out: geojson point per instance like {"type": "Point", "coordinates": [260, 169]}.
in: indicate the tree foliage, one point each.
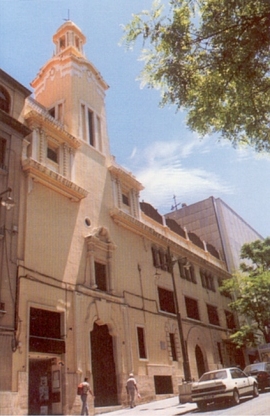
{"type": "Point", "coordinates": [210, 57]}
{"type": "Point", "coordinates": [251, 289]}
{"type": "Point", "coordinates": [258, 255]}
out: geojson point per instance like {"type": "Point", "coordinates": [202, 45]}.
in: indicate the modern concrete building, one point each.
{"type": "Point", "coordinates": [215, 222]}
{"type": "Point", "coordinates": [105, 285]}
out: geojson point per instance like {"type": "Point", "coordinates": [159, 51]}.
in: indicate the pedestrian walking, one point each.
{"type": "Point", "coordinates": [85, 389]}
{"type": "Point", "coordinates": [131, 387]}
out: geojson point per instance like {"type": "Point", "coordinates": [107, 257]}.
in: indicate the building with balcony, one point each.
{"type": "Point", "coordinates": [105, 284]}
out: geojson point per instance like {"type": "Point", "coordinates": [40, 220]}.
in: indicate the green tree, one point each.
{"type": "Point", "coordinates": [251, 290]}
{"type": "Point", "coordinates": [210, 57]}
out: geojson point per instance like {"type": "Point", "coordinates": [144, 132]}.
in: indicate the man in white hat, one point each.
{"type": "Point", "coordinates": [131, 388]}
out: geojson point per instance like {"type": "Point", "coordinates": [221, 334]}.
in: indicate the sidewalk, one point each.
{"type": "Point", "coordinates": [166, 407]}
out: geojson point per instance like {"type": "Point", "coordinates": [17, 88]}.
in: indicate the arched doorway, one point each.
{"type": "Point", "coordinates": [103, 367]}
{"type": "Point", "coordinates": [199, 361]}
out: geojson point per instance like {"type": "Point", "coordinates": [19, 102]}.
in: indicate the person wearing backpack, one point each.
{"type": "Point", "coordinates": [85, 389]}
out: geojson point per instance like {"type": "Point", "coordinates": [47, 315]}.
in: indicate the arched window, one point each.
{"type": "Point", "coordinates": [4, 100]}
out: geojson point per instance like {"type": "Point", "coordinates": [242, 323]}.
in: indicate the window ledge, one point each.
{"type": "Point", "coordinates": [53, 180]}
{"type": "Point", "coordinates": [167, 313]}
{"type": "Point", "coordinates": [99, 295]}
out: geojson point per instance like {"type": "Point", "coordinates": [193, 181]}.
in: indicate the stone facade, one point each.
{"type": "Point", "coordinates": [12, 133]}
{"type": "Point", "coordinates": [104, 285]}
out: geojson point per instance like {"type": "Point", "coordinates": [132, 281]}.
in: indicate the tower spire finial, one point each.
{"type": "Point", "coordinates": [68, 17]}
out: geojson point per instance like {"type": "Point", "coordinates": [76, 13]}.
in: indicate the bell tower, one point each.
{"type": "Point", "coordinates": [69, 37]}
{"type": "Point", "coordinates": [72, 89]}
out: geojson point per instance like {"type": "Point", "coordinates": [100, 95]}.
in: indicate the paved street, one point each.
{"type": "Point", "coordinates": [249, 406]}
{"type": "Point", "coordinates": [166, 407]}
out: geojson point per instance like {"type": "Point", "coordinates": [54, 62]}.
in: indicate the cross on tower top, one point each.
{"type": "Point", "coordinates": [174, 207]}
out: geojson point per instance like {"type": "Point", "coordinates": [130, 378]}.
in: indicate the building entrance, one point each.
{"type": "Point", "coordinates": [103, 367]}
{"type": "Point", "coordinates": [199, 361]}
{"type": "Point", "coordinates": [44, 393]}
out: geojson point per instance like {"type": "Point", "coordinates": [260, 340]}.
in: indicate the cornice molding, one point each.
{"type": "Point", "coordinates": [37, 116]}
{"type": "Point", "coordinates": [164, 236]}
{"type": "Point", "coordinates": [53, 180]}
{"type": "Point", "coordinates": [14, 124]}
{"type": "Point", "coordinates": [126, 177]}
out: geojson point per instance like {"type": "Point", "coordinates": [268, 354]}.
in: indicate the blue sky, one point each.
{"type": "Point", "coordinates": [153, 143]}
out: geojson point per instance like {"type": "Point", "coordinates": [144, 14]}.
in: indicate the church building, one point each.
{"type": "Point", "coordinates": [105, 285]}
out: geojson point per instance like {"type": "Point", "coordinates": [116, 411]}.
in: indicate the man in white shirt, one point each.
{"type": "Point", "coordinates": [131, 387]}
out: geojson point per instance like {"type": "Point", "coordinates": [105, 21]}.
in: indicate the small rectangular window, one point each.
{"type": "Point", "coordinates": [41, 323]}
{"type": "Point", "coordinates": [192, 308]}
{"type": "Point", "coordinates": [57, 112]}
{"type": "Point", "coordinates": [141, 342]}
{"type": "Point", "coordinates": [213, 315]}
{"type": "Point", "coordinates": [3, 144]}
{"type": "Point", "coordinates": [207, 280]}
{"type": "Point", "coordinates": [101, 280]}
{"type": "Point", "coordinates": [160, 258]}
{"type": "Point", "coordinates": [166, 300]}
{"type": "Point", "coordinates": [173, 347]}
{"type": "Point", "coordinates": [186, 270]}
{"type": "Point", "coordinates": [98, 132]}
{"type": "Point", "coordinates": [163, 384]}
{"type": "Point", "coordinates": [83, 122]}
{"type": "Point", "coordinates": [45, 333]}
{"type": "Point", "coordinates": [155, 257]}
{"type": "Point", "coordinates": [52, 154]}
{"type": "Point", "coordinates": [60, 112]}
{"type": "Point", "coordinates": [125, 199]}
{"type": "Point", "coordinates": [230, 320]}
{"type": "Point", "coordinates": [62, 42]}
{"type": "Point", "coordinates": [52, 112]}
{"type": "Point", "coordinates": [91, 127]}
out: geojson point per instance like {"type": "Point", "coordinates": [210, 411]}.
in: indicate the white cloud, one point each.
{"type": "Point", "coordinates": [165, 169]}
{"type": "Point", "coordinates": [134, 151]}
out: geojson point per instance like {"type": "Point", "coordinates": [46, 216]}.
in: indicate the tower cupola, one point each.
{"type": "Point", "coordinates": [69, 38]}
{"type": "Point", "coordinates": [73, 90]}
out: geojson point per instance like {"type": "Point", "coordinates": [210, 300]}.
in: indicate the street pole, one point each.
{"type": "Point", "coordinates": [186, 368]}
